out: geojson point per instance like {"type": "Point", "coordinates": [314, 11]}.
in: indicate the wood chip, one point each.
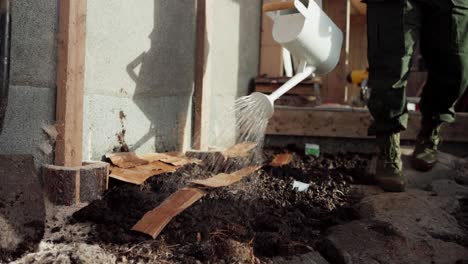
{"type": "Point", "coordinates": [239, 150]}
{"type": "Point", "coordinates": [172, 158]}
{"type": "Point", "coordinates": [138, 175]}
{"type": "Point", "coordinates": [223, 179]}
{"type": "Point", "coordinates": [126, 160]}
{"type": "Point", "coordinates": [281, 160]}
{"type": "Point", "coordinates": [136, 169]}
{"type": "Point", "coordinates": [154, 221]}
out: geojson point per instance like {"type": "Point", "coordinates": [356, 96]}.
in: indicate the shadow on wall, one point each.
{"type": "Point", "coordinates": [164, 80]}
{"type": "Point", "coordinates": [249, 39]}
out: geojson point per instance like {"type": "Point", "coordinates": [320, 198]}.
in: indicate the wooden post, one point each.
{"type": "Point", "coordinates": [357, 50]}
{"type": "Point", "coordinates": [335, 81]}
{"type": "Point", "coordinates": [70, 82]}
{"type": "Point", "coordinates": [200, 62]}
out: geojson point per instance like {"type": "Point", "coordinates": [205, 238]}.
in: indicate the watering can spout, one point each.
{"type": "Point", "coordinates": [266, 102]}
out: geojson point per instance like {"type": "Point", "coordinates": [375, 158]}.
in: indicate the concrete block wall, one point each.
{"type": "Point", "coordinates": [233, 46]}
{"type": "Point", "coordinates": [139, 61]}
{"type": "Point", "coordinates": [32, 85]}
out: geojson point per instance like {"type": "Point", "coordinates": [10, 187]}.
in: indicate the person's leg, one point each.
{"type": "Point", "coordinates": [444, 45]}
{"type": "Point", "coordinates": [393, 29]}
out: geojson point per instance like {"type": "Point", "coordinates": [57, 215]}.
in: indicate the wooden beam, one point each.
{"type": "Point", "coordinates": [300, 89]}
{"type": "Point", "coordinates": [70, 82]}
{"type": "Point", "coordinates": [269, 85]}
{"type": "Point", "coordinates": [335, 81]}
{"type": "Point", "coordinates": [349, 123]}
{"type": "Point", "coordinates": [200, 62]}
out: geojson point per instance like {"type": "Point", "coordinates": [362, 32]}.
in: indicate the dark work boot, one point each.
{"type": "Point", "coordinates": [389, 175]}
{"type": "Point", "coordinates": [425, 152]}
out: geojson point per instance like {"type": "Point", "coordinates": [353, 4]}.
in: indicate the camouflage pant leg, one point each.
{"type": "Point", "coordinates": [444, 46]}
{"type": "Point", "coordinates": [393, 30]}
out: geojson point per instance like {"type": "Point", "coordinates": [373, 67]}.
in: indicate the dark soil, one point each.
{"type": "Point", "coordinates": [251, 221]}
{"type": "Point", "coordinates": [22, 210]}
{"type": "Point", "coordinates": [462, 217]}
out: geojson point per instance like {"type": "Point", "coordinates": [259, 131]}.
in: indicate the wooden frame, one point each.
{"type": "Point", "coordinates": [269, 85]}
{"type": "Point", "coordinates": [199, 91]}
{"type": "Point", "coordinates": [70, 82]}
{"type": "Point", "coordinates": [348, 123]}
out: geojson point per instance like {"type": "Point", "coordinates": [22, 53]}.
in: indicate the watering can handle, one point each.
{"type": "Point", "coordinates": [270, 7]}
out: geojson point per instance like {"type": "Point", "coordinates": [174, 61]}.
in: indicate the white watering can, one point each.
{"type": "Point", "coordinates": [308, 33]}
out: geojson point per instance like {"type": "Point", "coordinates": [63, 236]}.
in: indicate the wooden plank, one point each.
{"type": "Point", "coordinates": [138, 175]}
{"type": "Point", "coordinates": [349, 123]}
{"type": "Point", "coordinates": [70, 82]}
{"type": "Point", "coordinates": [335, 82]}
{"type": "Point", "coordinates": [301, 89]}
{"type": "Point", "coordinates": [282, 80]}
{"type": "Point", "coordinates": [269, 85]}
{"type": "Point", "coordinates": [224, 180]}
{"type": "Point", "coordinates": [271, 61]}
{"type": "Point", "coordinates": [154, 221]}
{"type": "Point", "coordinates": [200, 63]}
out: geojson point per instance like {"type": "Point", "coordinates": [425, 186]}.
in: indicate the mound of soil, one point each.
{"type": "Point", "coordinates": [259, 218]}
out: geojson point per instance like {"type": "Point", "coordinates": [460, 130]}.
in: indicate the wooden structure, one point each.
{"type": "Point", "coordinates": [71, 181]}
{"type": "Point", "coordinates": [199, 74]}
{"type": "Point", "coordinates": [348, 122]}
{"type": "Point", "coordinates": [269, 85]}
{"type": "Point", "coordinates": [341, 120]}
{"type": "Point", "coordinates": [70, 82]}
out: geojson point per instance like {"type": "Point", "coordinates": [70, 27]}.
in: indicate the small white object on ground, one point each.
{"type": "Point", "coordinates": [300, 186]}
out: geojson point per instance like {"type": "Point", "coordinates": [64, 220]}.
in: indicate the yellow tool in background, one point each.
{"type": "Point", "coordinates": [360, 78]}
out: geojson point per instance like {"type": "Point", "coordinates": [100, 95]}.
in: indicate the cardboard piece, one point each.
{"type": "Point", "coordinates": [138, 175]}
{"type": "Point", "coordinates": [132, 168]}
{"type": "Point", "coordinates": [126, 160]}
{"type": "Point", "coordinates": [223, 179]}
{"type": "Point", "coordinates": [239, 150]}
{"type": "Point", "coordinates": [154, 221]}
{"type": "Point", "coordinates": [173, 158]}
{"type": "Point", "coordinates": [281, 160]}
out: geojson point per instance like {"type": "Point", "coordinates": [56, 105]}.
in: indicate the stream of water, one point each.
{"type": "Point", "coordinates": [243, 122]}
